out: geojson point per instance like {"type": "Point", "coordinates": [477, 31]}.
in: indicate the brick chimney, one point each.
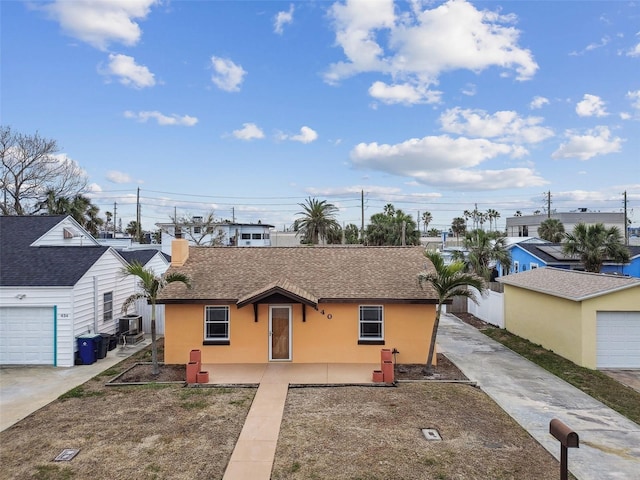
{"type": "Point", "coordinates": [179, 252]}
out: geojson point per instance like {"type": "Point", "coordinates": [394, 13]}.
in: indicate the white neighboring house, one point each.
{"type": "Point", "coordinates": [227, 234]}
{"type": "Point", "coordinates": [56, 283]}
{"type": "Point", "coordinates": [527, 225]}
{"type": "Point", "coordinates": [156, 261]}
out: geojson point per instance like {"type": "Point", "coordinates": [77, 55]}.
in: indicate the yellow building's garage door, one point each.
{"type": "Point", "coordinates": [618, 340]}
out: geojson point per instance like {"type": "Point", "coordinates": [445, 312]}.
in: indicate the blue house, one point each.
{"type": "Point", "coordinates": [528, 256]}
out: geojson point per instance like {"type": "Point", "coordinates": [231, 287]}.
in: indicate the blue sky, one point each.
{"type": "Point", "coordinates": [250, 107]}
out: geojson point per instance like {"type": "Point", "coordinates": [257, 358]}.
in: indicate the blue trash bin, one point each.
{"type": "Point", "coordinates": [87, 346]}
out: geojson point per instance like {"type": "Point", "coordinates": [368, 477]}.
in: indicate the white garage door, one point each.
{"type": "Point", "coordinates": [26, 336]}
{"type": "Point", "coordinates": [618, 340]}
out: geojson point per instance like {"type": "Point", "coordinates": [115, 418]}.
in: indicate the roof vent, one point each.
{"type": "Point", "coordinates": [69, 233]}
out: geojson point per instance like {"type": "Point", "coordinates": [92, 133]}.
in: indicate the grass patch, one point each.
{"type": "Point", "coordinates": [195, 405]}
{"type": "Point", "coordinates": [52, 472]}
{"type": "Point", "coordinates": [613, 394]}
{"type": "Point", "coordinates": [80, 392]}
{"type": "Point", "coordinates": [154, 386]}
{"type": "Point", "coordinates": [110, 372]}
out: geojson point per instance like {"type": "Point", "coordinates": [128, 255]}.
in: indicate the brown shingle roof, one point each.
{"type": "Point", "coordinates": [569, 284]}
{"type": "Point", "coordinates": [322, 273]}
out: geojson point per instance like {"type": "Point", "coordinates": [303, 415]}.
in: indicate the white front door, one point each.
{"type": "Point", "coordinates": [279, 333]}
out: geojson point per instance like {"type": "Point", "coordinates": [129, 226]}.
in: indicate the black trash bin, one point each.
{"type": "Point", "coordinates": [102, 346]}
{"type": "Point", "coordinates": [113, 342]}
{"type": "Point", "coordinates": [87, 348]}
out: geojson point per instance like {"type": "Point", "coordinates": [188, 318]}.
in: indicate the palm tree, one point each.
{"type": "Point", "coordinates": [387, 228]}
{"type": "Point", "coordinates": [486, 249]}
{"type": "Point", "coordinates": [448, 281]}
{"type": "Point", "coordinates": [551, 230]}
{"type": "Point", "coordinates": [151, 285]}
{"type": "Point", "coordinates": [318, 219]}
{"type": "Point", "coordinates": [79, 207]}
{"type": "Point", "coordinates": [482, 217]}
{"type": "Point", "coordinates": [458, 226]}
{"type": "Point", "coordinates": [493, 216]}
{"type": "Point", "coordinates": [426, 219]}
{"type": "Point", "coordinates": [594, 244]}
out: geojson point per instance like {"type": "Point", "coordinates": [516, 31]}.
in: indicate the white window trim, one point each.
{"type": "Point", "coordinates": [360, 322]}
{"type": "Point", "coordinates": [228, 322]}
{"type": "Point", "coordinates": [106, 311]}
{"type": "Point", "coordinates": [516, 266]}
{"type": "Point", "coordinates": [533, 265]}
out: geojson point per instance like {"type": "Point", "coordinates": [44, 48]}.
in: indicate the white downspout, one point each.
{"type": "Point", "coordinates": [95, 305]}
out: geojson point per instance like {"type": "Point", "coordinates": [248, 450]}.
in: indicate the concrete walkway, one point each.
{"type": "Point", "coordinates": [254, 453]}
{"type": "Point", "coordinates": [23, 390]}
{"type": "Point", "coordinates": [609, 443]}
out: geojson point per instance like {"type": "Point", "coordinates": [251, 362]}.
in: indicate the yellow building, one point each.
{"type": "Point", "coordinates": [298, 304]}
{"type": "Point", "coordinates": [591, 319]}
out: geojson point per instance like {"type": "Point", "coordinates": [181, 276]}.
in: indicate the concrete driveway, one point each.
{"type": "Point", "coordinates": [609, 443]}
{"type": "Point", "coordinates": [24, 390]}
{"type": "Point", "coordinates": [630, 378]}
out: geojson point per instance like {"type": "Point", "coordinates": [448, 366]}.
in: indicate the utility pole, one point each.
{"type": "Point", "coordinates": [138, 232]}
{"type": "Point", "coordinates": [549, 204]}
{"type": "Point", "coordinates": [362, 214]}
{"type": "Point", "coordinates": [418, 222]}
{"type": "Point", "coordinates": [404, 233]}
{"type": "Point", "coordinates": [115, 210]}
{"type": "Point", "coordinates": [626, 226]}
{"type": "Point", "coordinates": [233, 214]}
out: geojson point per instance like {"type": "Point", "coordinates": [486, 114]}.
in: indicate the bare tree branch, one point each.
{"type": "Point", "coordinates": [31, 169]}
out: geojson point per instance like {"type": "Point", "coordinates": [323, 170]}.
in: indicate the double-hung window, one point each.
{"type": "Point", "coordinates": [371, 324]}
{"type": "Point", "coordinates": [216, 325]}
{"type": "Point", "coordinates": [107, 305]}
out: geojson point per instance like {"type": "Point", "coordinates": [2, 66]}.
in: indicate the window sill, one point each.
{"type": "Point", "coordinates": [370, 342]}
{"type": "Point", "coordinates": [216, 342]}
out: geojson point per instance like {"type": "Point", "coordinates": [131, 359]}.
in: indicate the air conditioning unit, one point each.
{"type": "Point", "coordinates": [130, 324]}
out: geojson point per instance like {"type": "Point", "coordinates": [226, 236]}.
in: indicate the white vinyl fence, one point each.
{"type": "Point", "coordinates": [490, 308]}
{"type": "Point", "coordinates": [144, 309]}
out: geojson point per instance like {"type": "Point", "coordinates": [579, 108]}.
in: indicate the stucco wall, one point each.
{"type": "Point", "coordinates": [564, 326]}
{"type": "Point", "coordinates": [319, 339]}
{"type": "Point", "coordinates": [553, 322]}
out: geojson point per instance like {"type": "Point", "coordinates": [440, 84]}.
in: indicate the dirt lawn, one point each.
{"type": "Point", "coordinates": [171, 432]}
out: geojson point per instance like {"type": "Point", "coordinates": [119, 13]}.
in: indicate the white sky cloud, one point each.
{"type": "Point", "coordinates": [100, 23]}
{"type": "Point", "coordinates": [403, 93]}
{"type": "Point", "coordinates": [538, 102]}
{"type": "Point", "coordinates": [591, 106]}
{"type": "Point", "coordinates": [227, 75]}
{"type": "Point", "coordinates": [385, 193]}
{"type": "Point", "coordinates": [634, 97]}
{"type": "Point", "coordinates": [446, 162]}
{"type": "Point", "coordinates": [128, 72]}
{"type": "Point", "coordinates": [161, 119]}
{"type": "Point", "coordinates": [283, 18]}
{"type": "Point", "coordinates": [249, 131]}
{"type": "Point", "coordinates": [118, 177]}
{"type": "Point", "coordinates": [604, 41]}
{"type": "Point", "coordinates": [506, 126]}
{"type": "Point", "coordinates": [423, 45]}
{"type": "Point", "coordinates": [470, 90]}
{"type": "Point", "coordinates": [594, 142]}
{"type": "Point", "coordinates": [306, 135]}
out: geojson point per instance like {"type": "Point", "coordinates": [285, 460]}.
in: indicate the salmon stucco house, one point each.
{"type": "Point", "coordinates": [298, 304]}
